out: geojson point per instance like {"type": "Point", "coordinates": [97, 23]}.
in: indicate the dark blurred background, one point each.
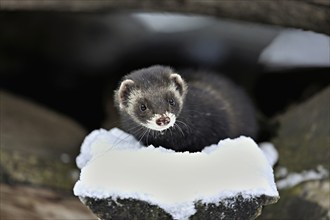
{"type": "Point", "coordinates": [71, 62]}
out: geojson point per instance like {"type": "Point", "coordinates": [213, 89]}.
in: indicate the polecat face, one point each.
{"type": "Point", "coordinates": [152, 97]}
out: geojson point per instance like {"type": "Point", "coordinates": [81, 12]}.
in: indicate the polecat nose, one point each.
{"type": "Point", "coordinates": [164, 120]}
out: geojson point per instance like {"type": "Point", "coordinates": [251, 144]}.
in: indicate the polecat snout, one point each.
{"type": "Point", "coordinates": [183, 112]}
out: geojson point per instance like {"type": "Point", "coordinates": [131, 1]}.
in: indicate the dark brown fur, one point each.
{"type": "Point", "coordinates": [212, 108]}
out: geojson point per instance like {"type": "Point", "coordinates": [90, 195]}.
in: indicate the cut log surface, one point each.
{"type": "Point", "coordinates": [305, 14]}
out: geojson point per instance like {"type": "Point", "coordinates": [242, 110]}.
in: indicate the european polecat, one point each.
{"type": "Point", "coordinates": [182, 111]}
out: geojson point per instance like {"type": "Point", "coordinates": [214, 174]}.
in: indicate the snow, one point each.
{"type": "Point", "coordinates": [297, 48]}
{"type": "Point", "coordinates": [170, 22]}
{"type": "Point", "coordinates": [294, 179]}
{"type": "Point", "coordinates": [113, 164]}
{"type": "Point", "coordinates": [270, 152]}
{"type": "Point", "coordinates": [98, 142]}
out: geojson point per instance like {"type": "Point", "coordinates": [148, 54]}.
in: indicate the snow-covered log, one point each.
{"type": "Point", "coordinates": [121, 179]}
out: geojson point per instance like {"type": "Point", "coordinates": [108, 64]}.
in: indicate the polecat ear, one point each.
{"type": "Point", "coordinates": [179, 83]}
{"type": "Point", "coordinates": [124, 91]}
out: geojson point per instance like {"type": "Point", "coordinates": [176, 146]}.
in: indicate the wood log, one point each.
{"type": "Point", "coordinates": [305, 14]}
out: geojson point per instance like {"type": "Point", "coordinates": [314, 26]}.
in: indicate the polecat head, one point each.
{"type": "Point", "coordinates": [152, 97]}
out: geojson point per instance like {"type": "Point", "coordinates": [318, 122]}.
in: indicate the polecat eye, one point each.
{"type": "Point", "coordinates": [143, 107]}
{"type": "Point", "coordinates": [171, 102]}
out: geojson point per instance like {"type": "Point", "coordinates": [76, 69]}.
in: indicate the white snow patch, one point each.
{"type": "Point", "coordinates": [174, 181]}
{"type": "Point", "coordinates": [170, 22]}
{"type": "Point", "coordinates": [297, 48]}
{"type": "Point", "coordinates": [294, 179]}
{"type": "Point", "coordinates": [100, 141]}
{"type": "Point", "coordinates": [270, 152]}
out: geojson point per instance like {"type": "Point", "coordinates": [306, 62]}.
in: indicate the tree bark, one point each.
{"type": "Point", "coordinates": [305, 14]}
